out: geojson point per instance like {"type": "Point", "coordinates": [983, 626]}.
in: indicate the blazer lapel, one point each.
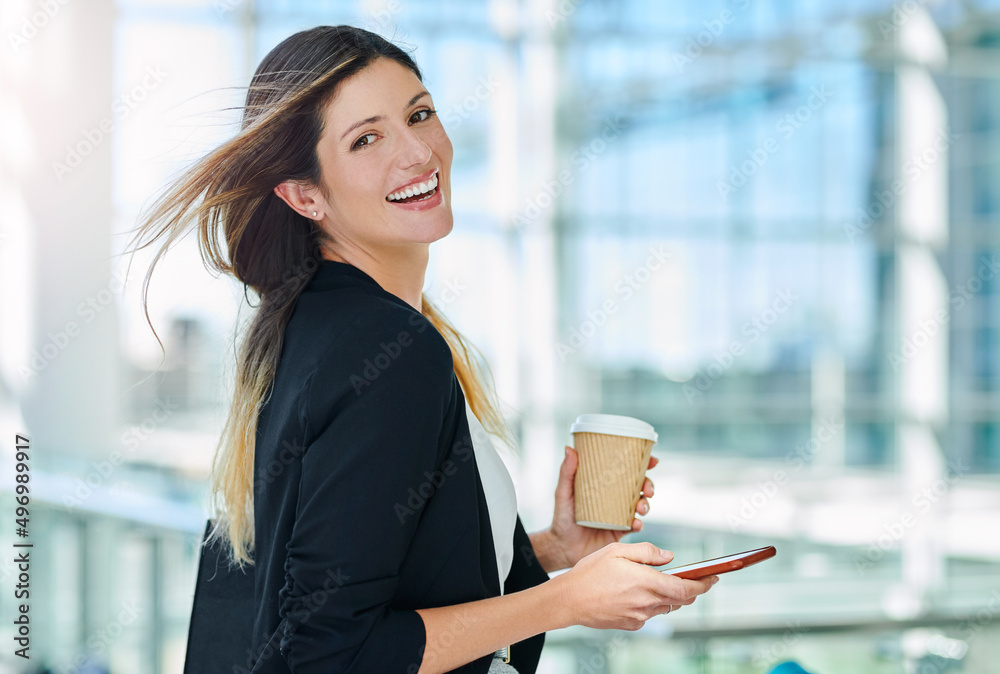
{"type": "Point", "coordinates": [487, 551]}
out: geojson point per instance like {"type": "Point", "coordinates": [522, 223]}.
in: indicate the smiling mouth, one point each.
{"type": "Point", "coordinates": [414, 193]}
{"type": "Point", "coordinates": [416, 198]}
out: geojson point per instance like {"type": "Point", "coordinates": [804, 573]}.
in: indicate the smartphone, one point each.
{"type": "Point", "coordinates": [713, 567]}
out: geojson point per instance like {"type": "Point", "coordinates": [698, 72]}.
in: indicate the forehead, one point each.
{"type": "Point", "coordinates": [383, 87]}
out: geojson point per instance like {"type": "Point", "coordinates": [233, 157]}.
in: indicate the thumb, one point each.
{"type": "Point", "coordinates": [645, 553]}
{"type": "Point", "coordinates": [567, 471]}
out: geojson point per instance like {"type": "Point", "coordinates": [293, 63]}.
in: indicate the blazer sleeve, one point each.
{"type": "Point", "coordinates": [375, 414]}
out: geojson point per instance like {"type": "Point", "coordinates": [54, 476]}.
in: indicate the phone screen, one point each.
{"type": "Point", "coordinates": [713, 567]}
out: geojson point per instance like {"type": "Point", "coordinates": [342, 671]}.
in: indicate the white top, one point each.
{"type": "Point", "coordinates": [501, 498]}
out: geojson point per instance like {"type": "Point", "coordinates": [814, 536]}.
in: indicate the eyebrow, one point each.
{"type": "Point", "coordinates": [379, 118]}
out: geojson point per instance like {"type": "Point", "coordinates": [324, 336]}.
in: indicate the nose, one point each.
{"type": "Point", "coordinates": [415, 151]}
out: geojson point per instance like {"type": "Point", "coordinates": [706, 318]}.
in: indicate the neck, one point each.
{"type": "Point", "coordinates": [399, 271]}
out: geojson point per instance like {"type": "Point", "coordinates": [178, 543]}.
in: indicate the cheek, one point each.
{"type": "Point", "coordinates": [357, 189]}
{"type": "Point", "coordinates": [439, 141]}
{"type": "Point", "coordinates": [447, 151]}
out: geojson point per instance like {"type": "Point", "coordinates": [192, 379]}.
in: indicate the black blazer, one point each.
{"type": "Point", "coordinates": [368, 502]}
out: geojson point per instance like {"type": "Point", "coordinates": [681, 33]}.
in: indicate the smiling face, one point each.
{"type": "Point", "coordinates": [381, 139]}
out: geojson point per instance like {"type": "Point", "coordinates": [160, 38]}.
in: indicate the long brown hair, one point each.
{"type": "Point", "coordinates": [245, 230]}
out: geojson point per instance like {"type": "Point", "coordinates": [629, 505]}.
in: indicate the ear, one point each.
{"type": "Point", "coordinates": [301, 198]}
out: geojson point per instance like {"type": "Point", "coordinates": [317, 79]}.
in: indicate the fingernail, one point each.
{"type": "Point", "coordinates": [664, 553]}
{"type": "Point", "coordinates": [715, 580]}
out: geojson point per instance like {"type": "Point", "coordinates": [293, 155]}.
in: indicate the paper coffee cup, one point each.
{"type": "Point", "coordinates": [614, 453]}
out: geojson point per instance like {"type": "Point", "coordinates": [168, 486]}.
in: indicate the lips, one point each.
{"type": "Point", "coordinates": [423, 178]}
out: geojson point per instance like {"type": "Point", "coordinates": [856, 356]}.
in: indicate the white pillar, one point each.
{"type": "Point", "coordinates": [920, 357]}
{"type": "Point", "coordinates": [542, 442]}
{"type": "Point", "coordinates": [62, 358]}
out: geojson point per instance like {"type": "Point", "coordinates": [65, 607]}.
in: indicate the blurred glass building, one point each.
{"type": "Point", "coordinates": [768, 228]}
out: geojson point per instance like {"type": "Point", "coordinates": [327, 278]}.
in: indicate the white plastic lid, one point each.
{"type": "Point", "coordinates": [613, 424]}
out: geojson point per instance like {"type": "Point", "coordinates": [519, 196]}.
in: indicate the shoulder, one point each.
{"type": "Point", "coordinates": [367, 347]}
{"type": "Point", "coordinates": [339, 317]}
{"type": "Point", "coordinates": [367, 325]}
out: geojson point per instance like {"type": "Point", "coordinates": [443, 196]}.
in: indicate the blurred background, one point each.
{"type": "Point", "coordinates": [768, 228]}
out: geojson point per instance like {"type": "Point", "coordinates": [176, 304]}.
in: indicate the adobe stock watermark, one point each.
{"type": "Point", "coordinates": [460, 626]}
{"type": "Point", "coordinates": [417, 496]}
{"type": "Point", "coordinates": [459, 112]}
{"type": "Point", "coordinates": [390, 350]}
{"type": "Point", "coordinates": [6, 568]}
{"type": "Point", "coordinates": [901, 13]}
{"type": "Point", "coordinates": [753, 330]}
{"type": "Point", "coordinates": [758, 157]}
{"type": "Point", "coordinates": [923, 501]}
{"type": "Point", "coordinates": [969, 629]}
{"type": "Point", "coordinates": [914, 167]}
{"type": "Point", "coordinates": [299, 274]}
{"type": "Point", "coordinates": [101, 641]}
{"type": "Point", "coordinates": [581, 158]}
{"type": "Point", "coordinates": [223, 7]}
{"type": "Point", "coordinates": [124, 488]}
{"type": "Point", "coordinates": [33, 23]}
{"type": "Point", "coordinates": [56, 342]}
{"type": "Point", "coordinates": [459, 629]}
{"type": "Point", "coordinates": [780, 648]}
{"type": "Point", "coordinates": [929, 328]}
{"type": "Point", "coordinates": [625, 288]}
{"type": "Point", "coordinates": [132, 439]}
{"type": "Point", "coordinates": [301, 611]}
{"type": "Point", "coordinates": [383, 20]}
{"type": "Point", "coordinates": [600, 662]}
{"type": "Point", "coordinates": [93, 137]}
{"type": "Point", "coordinates": [796, 459]}
{"type": "Point", "coordinates": [288, 454]}
{"type": "Point", "coordinates": [562, 11]}
{"type": "Point", "coordinates": [696, 44]}
{"type": "Point", "coordinates": [452, 290]}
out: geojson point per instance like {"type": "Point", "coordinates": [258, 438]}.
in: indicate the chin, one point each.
{"type": "Point", "coordinates": [435, 230]}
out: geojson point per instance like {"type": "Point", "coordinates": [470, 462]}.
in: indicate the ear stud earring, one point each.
{"type": "Point", "coordinates": [315, 214]}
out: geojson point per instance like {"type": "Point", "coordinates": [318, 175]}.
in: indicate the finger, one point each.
{"type": "Point", "coordinates": [680, 590]}
{"type": "Point", "coordinates": [642, 507]}
{"type": "Point", "coordinates": [653, 461]}
{"type": "Point", "coordinates": [637, 526]}
{"type": "Point", "coordinates": [701, 586]}
{"type": "Point", "coordinates": [643, 553]}
{"type": "Point", "coordinates": [647, 488]}
{"type": "Point", "coordinates": [668, 607]}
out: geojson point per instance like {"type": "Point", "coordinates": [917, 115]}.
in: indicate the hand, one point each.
{"type": "Point", "coordinates": [571, 542]}
{"type": "Point", "coordinates": [616, 588]}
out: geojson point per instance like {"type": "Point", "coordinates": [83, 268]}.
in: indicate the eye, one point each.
{"type": "Point", "coordinates": [359, 144]}
{"type": "Point", "coordinates": [425, 110]}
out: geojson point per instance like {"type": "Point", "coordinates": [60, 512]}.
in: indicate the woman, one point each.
{"type": "Point", "coordinates": [353, 470]}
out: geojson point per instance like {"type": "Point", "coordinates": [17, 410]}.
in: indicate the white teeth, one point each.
{"type": "Point", "coordinates": [419, 188]}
